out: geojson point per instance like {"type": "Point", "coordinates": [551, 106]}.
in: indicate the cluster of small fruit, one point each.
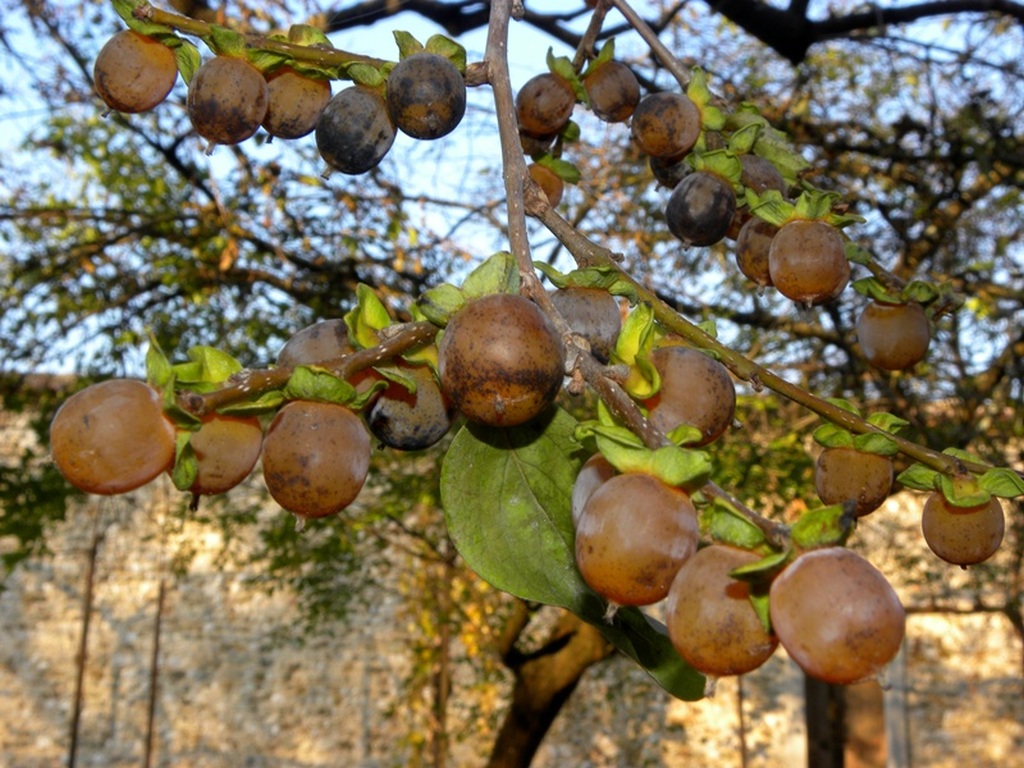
{"type": "Point", "coordinates": [798, 249]}
{"type": "Point", "coordinates": [230, 98]}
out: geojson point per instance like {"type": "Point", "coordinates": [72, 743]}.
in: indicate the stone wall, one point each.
{"type": "Point", "coordinates": [237, 686]}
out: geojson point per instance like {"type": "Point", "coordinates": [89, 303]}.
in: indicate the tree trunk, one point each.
{"type": "Point", "coordinates": [544, 680]}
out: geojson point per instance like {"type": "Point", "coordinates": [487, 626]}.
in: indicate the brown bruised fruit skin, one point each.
{"type": "Point", "coordinates": [710, 618]}
{"type": "Point", "coordinates": [134, 73]}
{"type": "Point", "coordinates": [320, 343]}
{"type": "Point", "coordinates": [701, 208]}
{"type": "Point", "coordinates": [294, 104]}
{"type": "Point", "coordinates": [426, 95]}
{"type": "Point", "coordinates": [695, 389]}
{"type": "Point", "coordinates": [632, 537]}
{"type": "Point", "coordinates": [844, 474]}
{"type": "Point", "coordinates": [893, 337]}
{"type": "Point", "coordinates": [544, 105]}
{"type": "Point", "coordinates": [227, 100]}
{"type": "Point", "coordinates": [962, 535]}
{"type": "Point", "coordinates": [836, 615]}
{"type": "Point", "coordinates": [807, 262]}
{"type": "Point", "coordinates": [112, 437]}
{"type": "Point", "coordinates": [501, 361]}
{"type": "Point", "coordinates": [613, 91]}
{"type": "Point", "coordinates": [594, 314]}
{"type": "Point", "coordinates": [665, 124]}
{"type": "Point", "coordinates": [315, 458]}
{"type": "Point", "coordinates": [354, 131]}
{"type": "Point", "coordinates": [226, 449]}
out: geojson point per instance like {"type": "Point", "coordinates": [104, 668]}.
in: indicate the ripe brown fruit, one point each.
{"type": "Point", "coordinates": [893, 337]}
{"type": "Point", "coordinates": [962, 535]}
{"type": "Point", "coordinates": [549, 181]}
{"type": "Point", "coordinates": [112, 437]}
{"type": "Point", "coordinates": [807, 262]}
{"type": "Point", "coordinates": [315, 458]}
{"type": "Point", "coordinates": [752, 245]}
{"type": "Point", "coordinates": [845, 474]}
{"type": "Point", "coordinates": [501, 360]}
{"type": "Point", "coordinates": [544, 105]}
{"type": "Point", "coordinates": [709, 616]}
{"type": "Point", "coordinates": [665, 124]}
{"type": "Point", "coordinates": [595, 471]}
{"type": "Point", "coordinates": [594, 314]}
{"type": "Point", "coordinates": [613, 91]}
{"type": "Point", "coordinates": [701, 208]}
{"type": "Point", "coordinates": [294, 103]}
{"type": "Point", "coordinates": [410, 421]}
{"type": "Point", "coordinates": [226, 449]}
{"type": "Point", "coordinates": [426, 95]}
{"type": "Point", "coordinates": [836, 615]}
{"type": "Point", "coordinates": [134, 73]}
{"type": "Point", "coordinates": [354, 131]}
{"type": "Point", "coordinates": [632, 537]}
{"type": "Point", "coordinates": [695, 389]}
{"type": "Point", "coordinates": [227, 100]}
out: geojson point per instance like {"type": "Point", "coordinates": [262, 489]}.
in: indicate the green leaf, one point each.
{"type": "Point", "coordinates": [763, 568]}
{"type": "Point", "coordinates": [963, 491]}
{"type": "Point", "coordinates": [919, 477]}
{"type": "Point", "coordinates": [364, 74]}
{"type": "Point", "coordinates": [125, 9]}
{"type": "Point", "coordinates": [189, 60]}
{"type": "Point", "coordinates": [367, 318]}
{"type": "Point", "coordinates": [770, 206]}
{"type": "Point", "coordinates": [875, 289]}
{"type": "Point", "coordinates": [451, 50]}
{"type": "Point", "coordinates": [563, 169]}
{"type": "Point", "coordinates": [680, 467]}
{"type": "Point", "coordinates": [1002, 482]}
{"type": "Point", "coordinates": [604, 55]}
{"type": "Point", "coordinates": [267, 61]}
{"type": "Point", "coordinates": [186, 465]}
{"type": "Point", "coordinates": [723, 523]}
{"type": "Point", "coordinates": [874, 442]}
{"type": "Point", "coordinates": [441, 302]}
{"type": "Point", "coordinates": [506, 495]}
{"type": "Point", "coordinates": [159, 371]}
{"type": "Point", "coordinates": [226, 42]}
{"type": "Point", "coordinates": [823, 527]}
{"type": "Point", "coordinates": [562, 66]}
{"type": "Point", "coordinates": [921, 291]}
{"type": "Point", "coordinates": [499, 273]}
{"type": "Point", "coordinates": [308, 35]}
{"type": "Point", "coordinates": [407, 44]}
{"type": "Point", "coordinates": [310, 383]}
{"type": "Point", "coordinates": [831, 435]}
{"type": "Point", "coordinates": [720, 162]}
{"type": "Point", "coordinates": [208, 365]}
{"type": "Point", "coordinates": [887, 421]}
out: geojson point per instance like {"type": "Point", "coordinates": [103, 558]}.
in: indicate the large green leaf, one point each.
{"type": "Point", "coordinates": [507, 500]}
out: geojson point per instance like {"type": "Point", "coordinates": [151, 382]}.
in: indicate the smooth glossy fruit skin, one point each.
{"type": "Point", "coordinates": [836, 615]}
{"type": "Point", "coordinates": [594, 472]}
{"type": "Point", "coordinates": [709, 617]}
{"type": "Point", "coordinates": [845, 474]}
{"type": "Point", "coordinates": [695, 389]}
{"type": "Point", "coordinates": [548, 181]}
{"type": "Point", "coordinates": [501, 360]}
{"type": "Point", "coordinates": [410, 421]}
{"type": "Point", "coordinates": [962, 535]}
{"type": "Point", "coordinates": [294, 104]}
{"type": "Point", "coordinates": [633, 535]}
{"type": "Point", "coordinates": [894, 337]}
{"type": "Point", "coordinates": [544, 105]}
{"type": "Point", "coordinates": [807, 262]}
{"type": "Point", "coordinates": [134, 73]}
{"type": "Point", "coordinates": [613, 91]}
{"type": "Point", "coordinates": [665, 124]}
{"type": "Point", "coordinates": [752, 245]}
{"type": "Point", "coordinates": [354, 131]}
{"type": "Point", "coordinates": [701, 208]}
{"type": "Point", "coordinates": [227, 448]}
{"type": "Point", "coordinates": [426, 96]}
{"type": "Point", "coordinates": [594, 314]}
{"type": "Point", "coordinates": [315, 458]}
{"type": "Point", "coordinates": [112, 437]}
{"type": "Point", "coordinates": [227, 100]}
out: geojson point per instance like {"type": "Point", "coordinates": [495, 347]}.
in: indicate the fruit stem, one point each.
{"type": "Point", "coordinates": [253, 382]}
{"type": "Point", "coordinates": [588, 253]}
